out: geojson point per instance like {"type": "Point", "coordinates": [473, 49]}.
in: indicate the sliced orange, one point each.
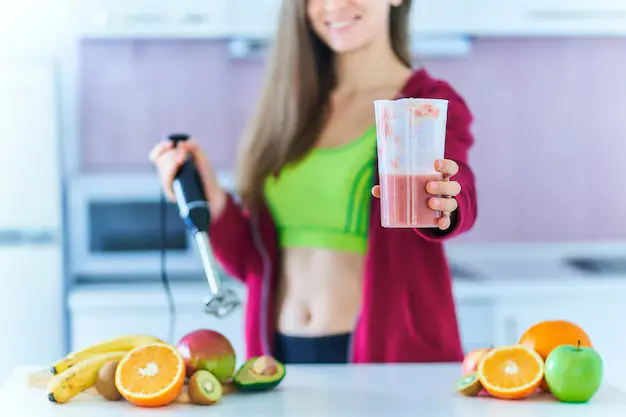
{"type": "Point", "coordinates": [511, 372]}
{"type": "Point", "coordinates": [151, 375]}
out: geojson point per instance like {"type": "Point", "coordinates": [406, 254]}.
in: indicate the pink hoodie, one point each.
{"type": "Point", "coordinates": [408, 312]}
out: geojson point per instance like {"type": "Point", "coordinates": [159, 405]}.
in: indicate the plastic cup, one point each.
{"type": "Point", "coordinates": [411, 135]}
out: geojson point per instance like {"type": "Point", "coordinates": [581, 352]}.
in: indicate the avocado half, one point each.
{"type": "Point", "coordinates": [260, 373]}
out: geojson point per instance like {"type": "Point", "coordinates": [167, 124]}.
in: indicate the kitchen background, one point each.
{"type": "Point", "coordinates": [87, 88]}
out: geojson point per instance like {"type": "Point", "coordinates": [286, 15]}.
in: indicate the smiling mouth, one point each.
{"type": "Point", "coordinates": [340, 24]}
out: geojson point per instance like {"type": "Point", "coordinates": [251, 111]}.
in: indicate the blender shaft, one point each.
{"type": "Point", "coordinates": [210, 269]}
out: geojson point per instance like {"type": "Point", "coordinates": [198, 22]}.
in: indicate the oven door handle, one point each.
{"type": "Point", "coordinates": [26, 236]}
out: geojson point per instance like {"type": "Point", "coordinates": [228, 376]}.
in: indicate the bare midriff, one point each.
{"type": "Point", "coordinates": [319, 291]}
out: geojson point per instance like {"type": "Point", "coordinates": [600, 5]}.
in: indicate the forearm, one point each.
{"type": "Point", "coordinates": [232, 241]}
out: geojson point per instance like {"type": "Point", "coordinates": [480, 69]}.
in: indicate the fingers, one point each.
{"type": "Point", "coordinates": [202, 163]}
{"type": "Point", "coordinates": [189, 146]}
{"type": "Point", "coordinates": [168, 160]}
{"type": "Point", "coordinates": [159, 149]}
{"type": "Point", "coordinates": [443, 204]}
{"type": "Point", "coordinates": [446, 204]}
{"type": "Point", "coordinates": [167, 171]}
{"type": "Point", "coordinates": [205, 169]}
{"type": "Point", "coordinates": [447, 167]}
{"type": "Point", "coordinates": [448, 188]}
{"type": "Point", "coordinates": [444, 221]}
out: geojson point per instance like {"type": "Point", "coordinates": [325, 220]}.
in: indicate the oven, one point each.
{"type": "Point", "coordinates": [115, 231]}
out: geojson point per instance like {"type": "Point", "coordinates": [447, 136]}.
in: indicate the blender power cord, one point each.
{"type": "Point", "coordinates": [164, 279]}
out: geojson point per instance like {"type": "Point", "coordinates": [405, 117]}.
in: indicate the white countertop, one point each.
{"type": "Point", "coordinates": [326, 391]}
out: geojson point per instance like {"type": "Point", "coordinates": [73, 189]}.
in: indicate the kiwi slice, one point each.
{"type": "Point", "coordinates": [469, 385]}
{"type": "Point", "coordinates": [204, 388]}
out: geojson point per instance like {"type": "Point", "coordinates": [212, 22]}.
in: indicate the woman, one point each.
{"type": "Point", "coordinates": [326, 283]}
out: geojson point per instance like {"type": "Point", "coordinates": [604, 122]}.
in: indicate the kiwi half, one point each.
{"type": "Point", "coordinates": [469, 385]}
{"type": "Point", "coordinates": [204, 388]}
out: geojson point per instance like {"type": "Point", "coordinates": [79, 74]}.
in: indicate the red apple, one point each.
{"type": "Point", "coordinates": [208, 350]}
{"type": "Point", "coordinates": [470, 362]}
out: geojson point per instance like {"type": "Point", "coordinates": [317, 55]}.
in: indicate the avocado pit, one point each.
{"type": "Point", "coordinates": [265, 365]}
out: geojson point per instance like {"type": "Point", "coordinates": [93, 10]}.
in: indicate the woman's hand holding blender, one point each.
{"type": "Point", "coordinates": [168, 159]}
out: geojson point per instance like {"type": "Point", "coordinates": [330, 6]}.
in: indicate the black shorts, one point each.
{"type": "Point", "coordinates": [319, 350]}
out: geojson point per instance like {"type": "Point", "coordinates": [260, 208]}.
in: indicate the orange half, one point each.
{"type": "Point", "coordinates": [151, 375]}
{"type": "Point", "coordinates": [511, 372]}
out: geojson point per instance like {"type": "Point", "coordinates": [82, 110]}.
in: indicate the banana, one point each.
{"type": "Point", "coordinates": [68, 384]}
{"type": "Point", "coordinates": [119, 344]}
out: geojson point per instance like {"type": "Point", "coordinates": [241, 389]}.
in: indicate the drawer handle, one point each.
{"type": "Point", "coordinates": [196, 19]}
{"type": "Point", "coordinates": [576, 14]}
{"type": "Point", "coordinates": [145, 18]}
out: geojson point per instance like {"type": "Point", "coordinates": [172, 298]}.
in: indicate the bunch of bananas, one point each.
{"type": "Point", "coordinates": [78, 371]}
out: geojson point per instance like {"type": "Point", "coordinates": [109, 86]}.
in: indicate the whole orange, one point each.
{"type": "Point", "coordinates": [543, 337]}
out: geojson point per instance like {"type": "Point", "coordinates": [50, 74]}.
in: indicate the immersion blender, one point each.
{"type": "Point", "coordinates": [194, 210]}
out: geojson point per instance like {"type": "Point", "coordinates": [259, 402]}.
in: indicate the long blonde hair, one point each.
{"type": "Point", "coordinates": [294, 99]}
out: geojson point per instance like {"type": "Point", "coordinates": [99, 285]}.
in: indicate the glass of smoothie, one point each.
{"type": "Point", "coordinates": [411, 134]}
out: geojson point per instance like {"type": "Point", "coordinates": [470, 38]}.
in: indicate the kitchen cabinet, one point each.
{"type": "Point", "coordinates": [443, 17]}
{"type": "Point", "coordinates": [30, 305]}
{"type": "Point", "coordinates": [100, 313]}
{"type": "Point", "coordinates": [94, 326]}
{"type": "Point", "coordinates": [549, 17]}
{"type": "Point", "coordinates": [93, 322]}
{"type": "Point", "coordinates": [254, 19]}
{"type": "Point", "coordinates": [219, 19]}
{"type": "Point", "coordinates": [148, 19]}
{"type": "Point", "coordinates": [475, 321]}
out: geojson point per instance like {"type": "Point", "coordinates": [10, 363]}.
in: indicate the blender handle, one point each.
{"type": "Point", "coordinates": [189, 192]}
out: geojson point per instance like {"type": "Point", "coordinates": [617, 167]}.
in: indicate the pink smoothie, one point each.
{"type": "Point", "coordinates": [404, 201]}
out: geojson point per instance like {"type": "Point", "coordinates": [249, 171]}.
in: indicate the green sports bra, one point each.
{"type": "Point", "coordinates": [323, 199]}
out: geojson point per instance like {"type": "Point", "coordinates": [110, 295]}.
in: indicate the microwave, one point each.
{"type": "Point", "coordinates": [115, 229]}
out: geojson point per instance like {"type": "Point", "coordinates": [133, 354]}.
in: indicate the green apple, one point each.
{"type": "Point", "coordinates": [574, 373]}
